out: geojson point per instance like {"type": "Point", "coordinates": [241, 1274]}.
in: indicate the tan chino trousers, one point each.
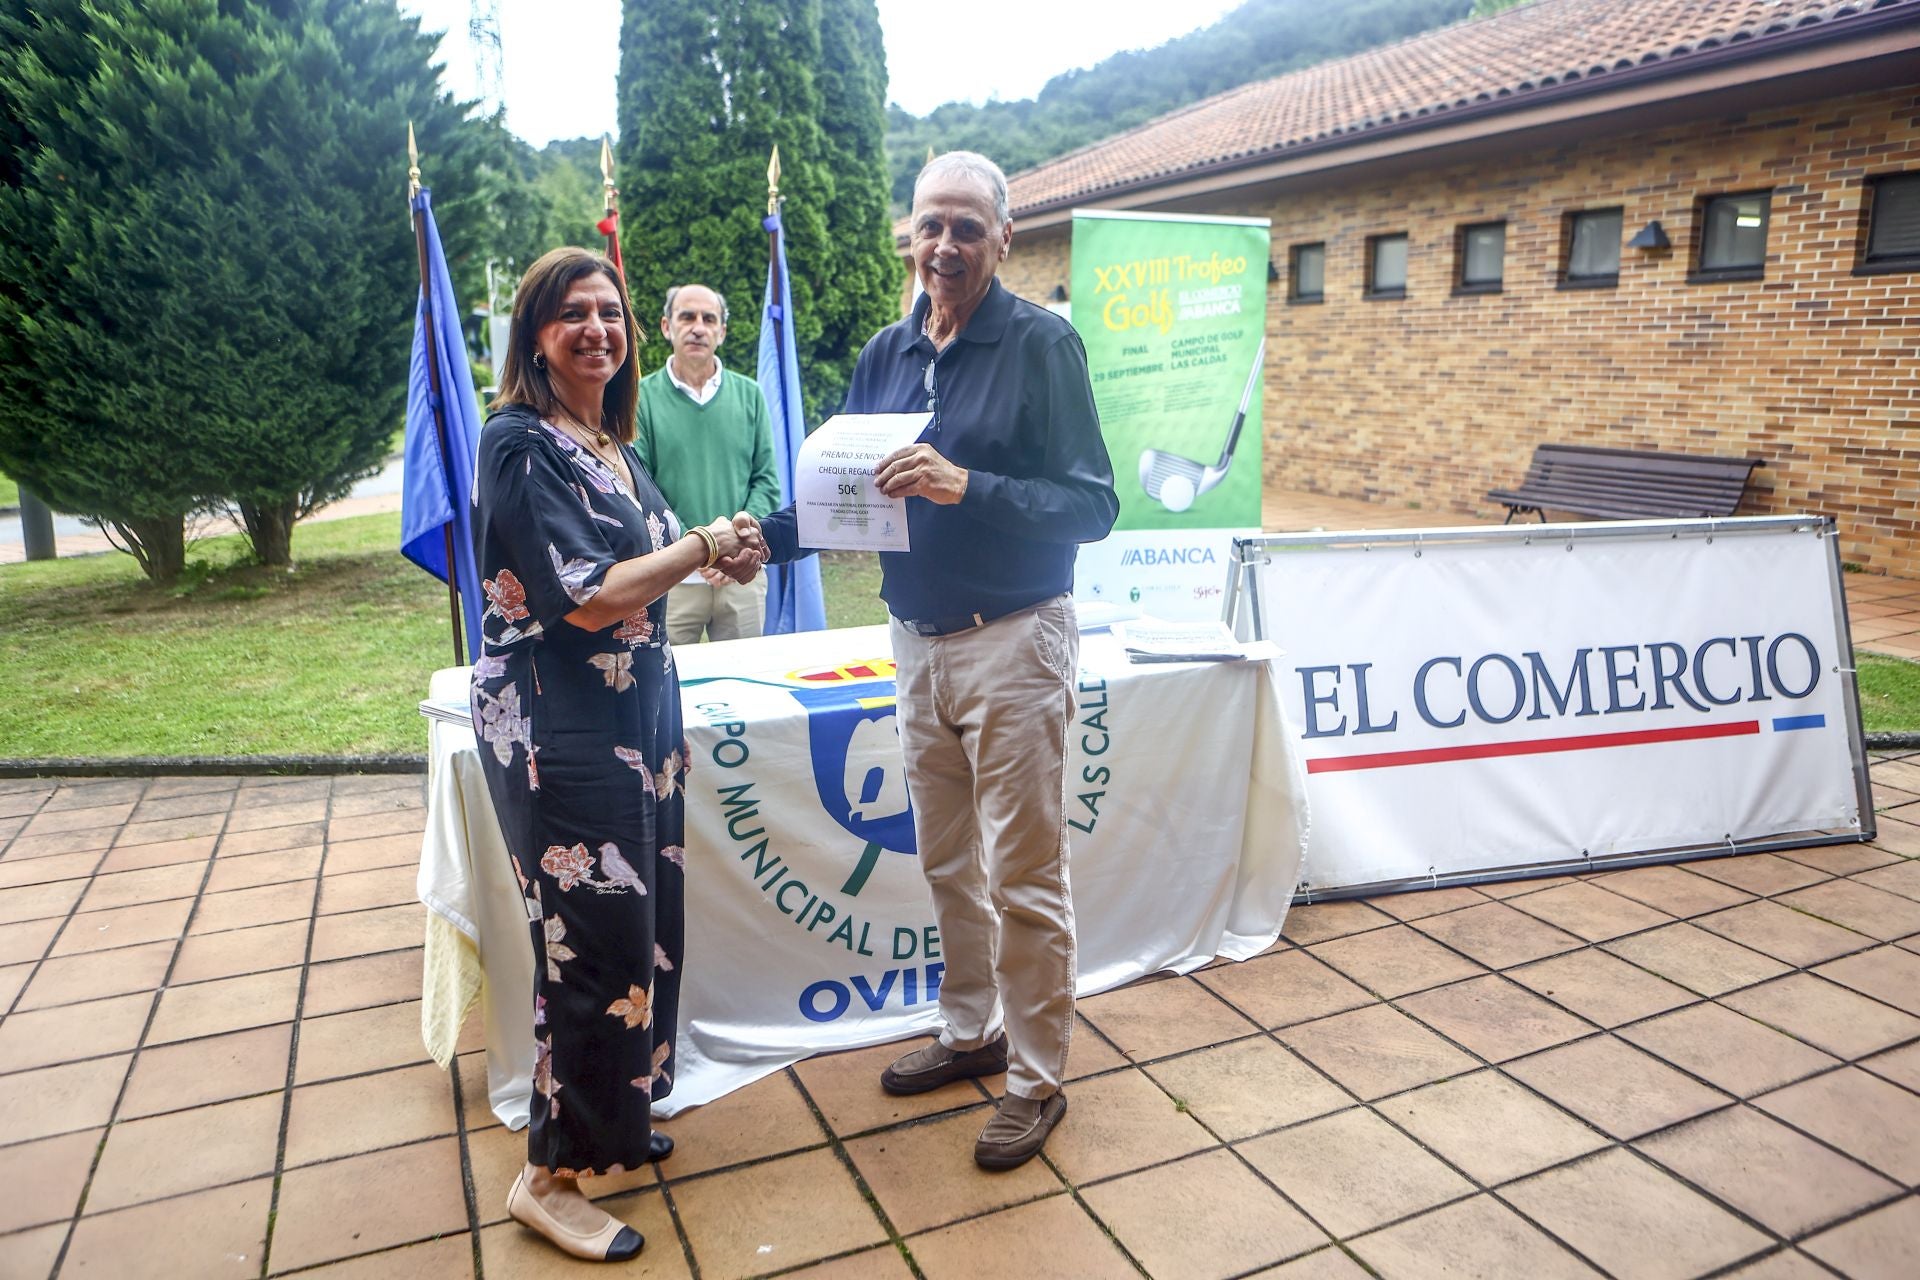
{"type": "Point", "coordinates": [983, 718]}
{"type": "Point", "coordinates": [696, 611]}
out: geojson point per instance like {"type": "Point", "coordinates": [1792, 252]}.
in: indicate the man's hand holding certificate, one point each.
{"type": "Point", "coordinates": [919, 471]}
{"type": "Point", "coordinates": [854, 475]}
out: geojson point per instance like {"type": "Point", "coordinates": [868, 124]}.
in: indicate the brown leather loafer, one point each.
{"type": "Point", "coordinates": [1018, 1130]}
{"type": "Point", "coordinates": [927, 1069]}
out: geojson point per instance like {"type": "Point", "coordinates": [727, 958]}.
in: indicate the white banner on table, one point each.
{"type": "Point", "coordinates": [1177, 574]}
{"type": "Point", "coordinates": [1506, 698]}
{"type": "Point", "coordinates": [809, 926]}
{"type": "Point", "coordinates": [808, 922]}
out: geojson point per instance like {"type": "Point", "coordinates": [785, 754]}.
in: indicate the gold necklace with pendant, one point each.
{"type": "Point", "coordinates": [598, 435]}
{"type": "Point", "coordinates": [588, 439]}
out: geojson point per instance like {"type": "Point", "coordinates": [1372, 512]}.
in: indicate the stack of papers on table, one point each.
{"type": "Point", "coordinates": [1150, 640]}
{"type": "Point", "coordinates": [1100, 615]}
{"type": "Point", "coordinates": [447, 711]}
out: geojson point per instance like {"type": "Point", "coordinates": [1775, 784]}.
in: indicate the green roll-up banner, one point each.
{"type": "Point", "coordinates": [1172, 310]}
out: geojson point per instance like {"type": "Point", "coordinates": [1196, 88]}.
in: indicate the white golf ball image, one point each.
{"type": "Point", "coordinates": [1176, 493]}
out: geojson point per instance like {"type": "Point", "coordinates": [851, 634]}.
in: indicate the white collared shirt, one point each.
{"type": "Point", "coordinates": [702, 393]}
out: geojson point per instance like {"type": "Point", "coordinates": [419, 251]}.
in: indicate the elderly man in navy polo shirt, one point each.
{"type": "Point", "coordinates": [1011, 476]}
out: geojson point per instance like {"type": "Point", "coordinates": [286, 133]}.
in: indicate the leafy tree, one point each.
{"type": "Point", "coordinates": [1487, 8]}
{"type": "Point", "coordinates": [853, 85]}
{"type": "Point", "coordinates": [207, 280]}
{"type": "Point", "coordinates": [1258, 40]}
{"type": "Point", "coordinates": [705, 95]}
{"type": "Point", "coordinates": [567, 180]}
{"type": "Point", "coordinates": [536, 200]}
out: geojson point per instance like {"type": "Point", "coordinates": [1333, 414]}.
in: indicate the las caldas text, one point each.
{"type": "Point", "coordinates": [1083, 813]}
{"type": "Point", "coordinates": [1450, 691]}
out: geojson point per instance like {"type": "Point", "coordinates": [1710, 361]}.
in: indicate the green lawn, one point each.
{"type": "Point", "coordinates": [1889, 693]}
{"type": "Point", "coordinates": [850, 580]}
{"type": "Point", "coordinates": [328, 659]}
{"type": "Point", "coordinates": [9, 492]}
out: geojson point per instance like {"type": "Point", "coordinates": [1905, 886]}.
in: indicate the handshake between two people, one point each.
{"type": "Point", "coordinates": [917, 471]}
{"type": "Point", "coordinates": [743, 549]}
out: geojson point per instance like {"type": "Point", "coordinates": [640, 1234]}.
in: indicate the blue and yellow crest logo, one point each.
{"type": "Point", "coordinates": [858, 770]}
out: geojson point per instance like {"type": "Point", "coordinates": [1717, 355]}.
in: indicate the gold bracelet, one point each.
{"type": "Point", "coordinates": [713, 544]}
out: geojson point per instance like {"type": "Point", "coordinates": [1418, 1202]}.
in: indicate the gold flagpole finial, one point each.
{"type": "Point", "coordinates": [606, 168]}
{"type": "Point", "coordinates": [929, 153]}
{"type": "Point", "coordinates": [413, 164]}
{"type": "Point", "coordinates": [773, 183]}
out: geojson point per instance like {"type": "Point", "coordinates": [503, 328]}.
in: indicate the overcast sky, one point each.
{"type": "Point", "coordinates": [561, 56]}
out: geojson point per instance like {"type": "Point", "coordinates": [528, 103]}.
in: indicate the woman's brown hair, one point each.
{"type": "Point", "coordinates": [535, 305]}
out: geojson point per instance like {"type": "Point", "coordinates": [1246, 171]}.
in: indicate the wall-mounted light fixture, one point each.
{"type": "Point", "coordinates": [1651, 236]}
{"type": "Point", "coordinates": [1273, 272]}
{"type": "Point", "coordinates": [1059, 293]}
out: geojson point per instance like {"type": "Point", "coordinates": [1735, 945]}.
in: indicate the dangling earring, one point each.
{"type": "Point", "coordinates": [539, 360]}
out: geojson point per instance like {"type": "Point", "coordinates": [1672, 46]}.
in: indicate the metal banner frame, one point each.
{"type": "Point", "coordinates": [1242, 611]}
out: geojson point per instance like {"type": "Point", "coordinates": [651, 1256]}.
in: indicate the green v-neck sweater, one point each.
{"type": "Point", "coordinates": [713, 459]}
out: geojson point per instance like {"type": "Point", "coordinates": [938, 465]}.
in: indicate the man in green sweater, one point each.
{"type": "Point", "coordinates": [707, 438]}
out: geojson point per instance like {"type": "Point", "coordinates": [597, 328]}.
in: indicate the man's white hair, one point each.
{"type": "Point", "coordinates": [973, 165]}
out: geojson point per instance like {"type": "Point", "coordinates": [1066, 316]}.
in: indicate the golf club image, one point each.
{"type": "Point", "coordinates": [1173, 481]}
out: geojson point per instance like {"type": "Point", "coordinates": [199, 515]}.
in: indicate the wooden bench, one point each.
{"type": "Point", "coordinates": [1627, 484]}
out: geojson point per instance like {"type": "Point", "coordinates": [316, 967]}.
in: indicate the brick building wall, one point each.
{"type": "Point", "coordinates": [1432, 399]}
{"type": "Point", "coordinates": [1036, 266]}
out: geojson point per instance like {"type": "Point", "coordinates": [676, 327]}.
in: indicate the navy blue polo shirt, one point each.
{"type": "Point", "coordinates": [1013, 405]}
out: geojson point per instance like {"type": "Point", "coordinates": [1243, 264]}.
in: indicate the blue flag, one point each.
{"type": "Point", "coordinates": [794, 599]}
{"type": "Point", "coordinates": [436, 492]}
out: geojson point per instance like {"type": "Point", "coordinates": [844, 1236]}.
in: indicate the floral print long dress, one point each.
{"type": "Point", "coordinates": [580, 737]}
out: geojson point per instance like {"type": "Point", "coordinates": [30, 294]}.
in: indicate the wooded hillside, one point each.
{"type": "Point", "coordinates": [1259, 40]}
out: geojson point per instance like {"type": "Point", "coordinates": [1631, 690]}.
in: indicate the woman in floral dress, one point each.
{"type": "Point", "coordinates": [578, 712]}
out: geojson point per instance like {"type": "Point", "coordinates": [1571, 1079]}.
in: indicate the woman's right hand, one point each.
{"type": "Point", "coordinates": [726, 537]}
{"type": "Point", "coordinates": [743, 565]}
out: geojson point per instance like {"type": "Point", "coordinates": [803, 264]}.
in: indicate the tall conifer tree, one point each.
{"type": "Point", "coordinates": [207, 277]}
{"type": "Point", "coordinates": [853, 92]}
{"type": "Point", "coordinates": [706, 93]}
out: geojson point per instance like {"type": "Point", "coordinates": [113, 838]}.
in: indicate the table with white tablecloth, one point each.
{"type": "Point", "coordinates": [808, 923]}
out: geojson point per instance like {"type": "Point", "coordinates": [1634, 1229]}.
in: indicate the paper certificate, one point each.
{"type": "Point", "coordinates": [837, 504]}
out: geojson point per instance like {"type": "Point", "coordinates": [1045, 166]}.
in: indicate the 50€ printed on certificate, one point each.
{"type": "Point", "coordinates": [837, 505]}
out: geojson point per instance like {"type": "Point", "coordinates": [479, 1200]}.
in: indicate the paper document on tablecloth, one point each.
{"type": "Point", "coordinates": [1101, 615]}
{"type": "Point", "coordinates": [836, 502]}
{"type": "Point", "coordinates": [1151, 640]}
{"type": "Point", "coordinates": [447, 711]}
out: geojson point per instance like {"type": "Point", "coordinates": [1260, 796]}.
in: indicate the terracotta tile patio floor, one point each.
{"type": "Point", "coordinates": [210, 1065]}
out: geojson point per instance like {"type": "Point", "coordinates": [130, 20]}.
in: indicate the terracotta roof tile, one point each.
{"type": "Point", "coordinates": [1508, 56]}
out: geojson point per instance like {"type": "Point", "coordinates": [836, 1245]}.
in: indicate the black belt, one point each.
{"type": "Point", "coordinates": [960, 622]}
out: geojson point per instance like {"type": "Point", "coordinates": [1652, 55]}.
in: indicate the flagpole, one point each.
{"type": "Point", "coordinates": [794, 600]}
{"type": "Point", "coordinates": [610, 221]}
{"type": "Point", "coordinates": [437, 401]}
{"type": "Point", "coordinates": [773, 206]}
{"type": "Point", "coordinates": [778, 285]}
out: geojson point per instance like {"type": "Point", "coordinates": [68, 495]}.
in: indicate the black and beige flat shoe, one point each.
{"type": "Point", "coordinates": [614, 1242]}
